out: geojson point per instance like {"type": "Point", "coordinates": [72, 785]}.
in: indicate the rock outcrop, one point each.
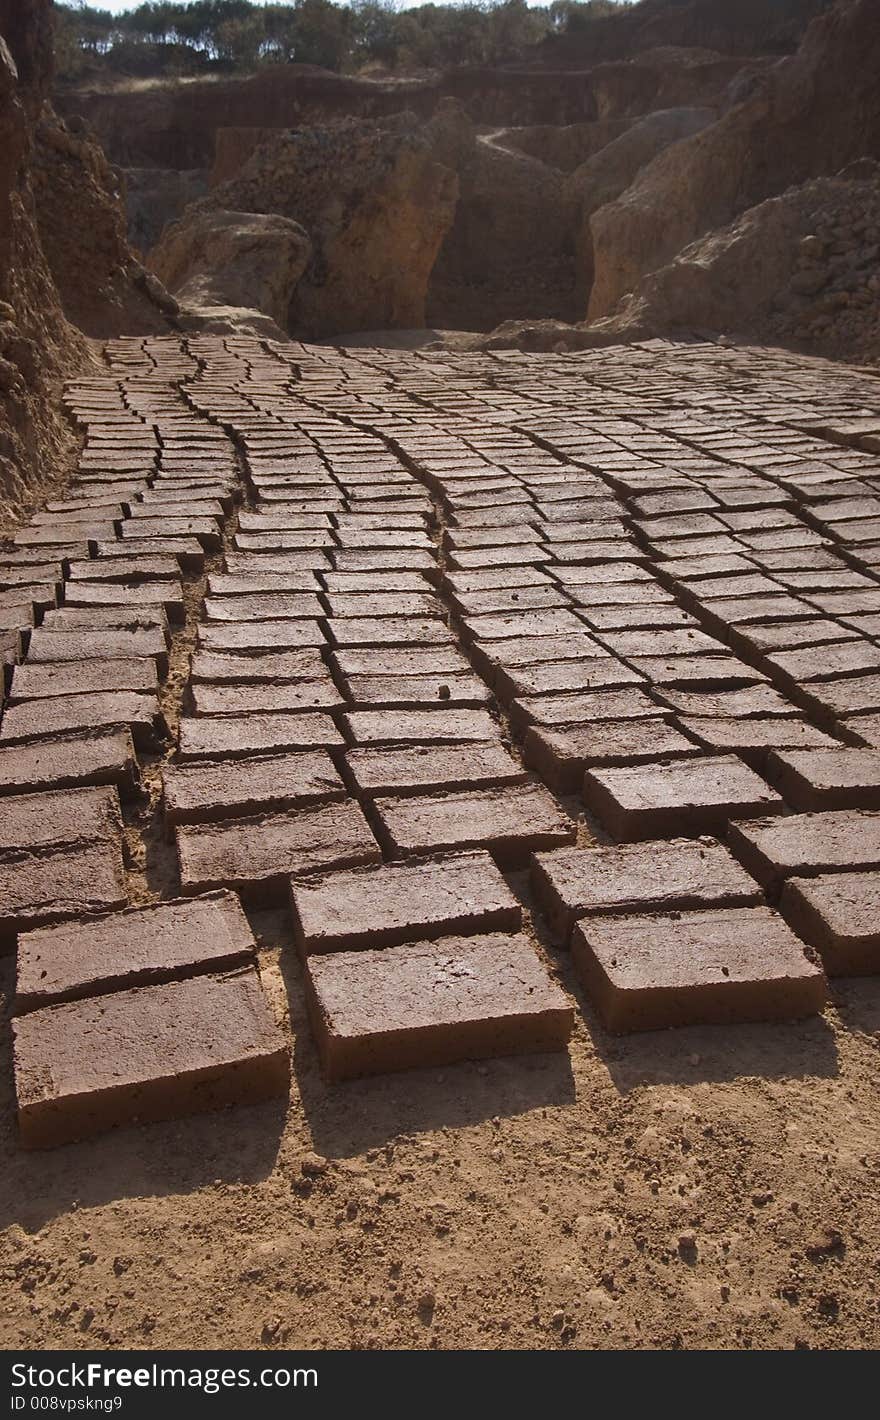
{"type": "Point", "coordinates": [233, 270]}
{"type": "Point", "coordinates": [808, 116]}
{"type": "Point", "coordinates": [376, 205]}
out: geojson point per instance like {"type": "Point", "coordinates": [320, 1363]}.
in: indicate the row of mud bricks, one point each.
{"type": "Point", "coordinates": [459, 664]}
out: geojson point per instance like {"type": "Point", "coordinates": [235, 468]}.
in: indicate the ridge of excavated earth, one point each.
{"type": "Point", "coordinates": [440, 852]}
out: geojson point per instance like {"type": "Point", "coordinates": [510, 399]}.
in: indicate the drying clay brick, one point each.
{"type": "Point", "coordinates": [154, 1052]}
{"type": "Point", "coordinates": [402, 902]}
{"type": "Point", "coordinates": [583, 708]}
{"type": "Point", "coordinates": [228, 668]}
{"type": "Point", "coordinates": [60, 882]}
{"type": "Point", "coordinates": [232, 736]}
{"type": "Point", "coordinates": [388, 631]}
{"type": "Point", "coordinates": [638, 877]}
{"type": "Point", "coordinates": [34, 719]}
{"type": "Point", "coordinates": [36, 682]}
{"type": "Point", "coordinates": [754, 739]}
{"type": "Point", "coordinates": [69, 762]}
{"type": "Point", "coordinates": [414, 769]}
{"type": "Point", "coordinates": [411, 660]}
{"type": "Point", "coordinates": [207, 790]}
{"type": "Point", "coordinates": [511, 822]}
{"type": "Point", "coordinates": [419, 726]}
{"type": "Point", "coordinates": [411, 692]}
{"type": "Point", "coordinates": [562, 756]}
{"type": "Point", "coordinates": [100, 646]}
{"type": "Point", "coordinates": [259, 636]}
{"type": "Point", "coordinates": [433, 1003]}
{"type": "Point", "coordinates": [132, 948]}
{"type": "Point", "coordinates": [685, 796]}
{"type": "Point", "coordinates": [551, 676]}
{"type": "Point", "coordinates": [833, 778]}
{"type": "Point", "coordinates": [259, 854]}
{"type": "Point", "coordinates": [265, 697]}
{"type": "Point", "coordinates": [804, 845]}
{"type": "Point", "coordinates": [695, 968]}
{"type": "Point", "coordinates": [839, 915]}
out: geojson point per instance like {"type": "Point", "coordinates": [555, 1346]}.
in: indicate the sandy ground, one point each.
{"type": "Point", "coordinates": [711, 1187]}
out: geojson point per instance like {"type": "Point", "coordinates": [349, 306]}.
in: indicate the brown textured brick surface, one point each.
{"type": "Point", "coordinates": [59, 882]}
{"type": "Point", "coordinates": [259, 854]}
{"type": "Point", "coordinates": [717, 966]}
{"type": "Point", "coordinates": [100, 646]}
{"type": "Point", "coordinates": [804, 845]}
{"type": "Point", "coordinates": [677, 796]}
{"type": "Point", "coordinates": [638, 877]}
{"type": "Point", "coordinates": [34, 719]}
{"type": "Point", "coordinates": [243, 636]}
{"type": "Point", "coordinates": [416, 692]}
{"type": "Point", "coordinates": [266, 697]}
{"type": "Point", "coordinates": [70, 761]}
{"type": "Point", "coordinates": [383, 905]}
{"type": "Point", "coordinates": [216, 736]}
{"type": "Point", "coordinates": [420, 768]}
{"type": "Point", "coordinates": [436, 726]}
{"type": "Point", "coordinates": [208, 790]}
{"type": "Point", "coordinates": [432, 1003]}
{"type": "Point", "coordinates": [155, 1052]}
{"type": "Point", "coordinates": [36, 682]}
{"type": "Point", "coordinates": [230, 667]}
{"type": "Point", "coordinates": [511, 822]}
{"type": "Point", "coordinates": [839, 915]}
{"type": "Point", "coordinates": [561, 756]}
{"type": "Point", "coordinates": [124, 949]}
{"type": "Point", "coordinates": [831, 778]}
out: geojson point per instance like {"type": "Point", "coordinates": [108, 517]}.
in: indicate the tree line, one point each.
{"type": "Point", "coordinates": [165, 39]}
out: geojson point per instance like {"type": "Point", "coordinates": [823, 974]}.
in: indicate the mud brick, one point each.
{"type": "Point", "coordinates": [30, 597]}
{"type": "Point", "coordinates": [676, 642]}
{"type": "Point", "coordinates": [376, 559]}
{"type": "Point", "coordinates": [549, 677]}
{"type": "Point", "coordinates": [162, 942]}
{"type": "Point", "coordinates": [422, 768]}
{"type": "Point", "coordinates": [866, 728]}
{"type": "Point", "coordinates": [259, 636]}
{"type": "Point", "coordinates": [107, 618]}
{"type": "Point", "coordinates": [562, 756]}
{"type": "Point", "coordinates": [618, 594]}
{"type": "Point", "coordinates": [205, 530]}
{"type": "Point", "coordinates": [416, 692]}
{"type": "Point", "coordinates": [187, 551]}
{"type": "Point", "coordinates": [685, 796]}
{"type": "Point", "coordinates": [64, 534]}
{"type": "Point", "coordinates": [402, 902]}
{"type": "Point", "coordinates": [208, 790]}
{"type": "Point", "coordinates": [831, 778]}
{"type": "Point", "coordinates": [762, 637]}
{"type": "Point", "coordinates": [648, 972]}
{"type": "Point", "coordinates": [830, 662]}
{"type": "Point", "coordinates": [804, 845]}
{"type": "Point", "coordinates": [739, 611]}
{"type": "Point", "coordinates": [622, 549]}
{"type": "Point", "coordinates": [272, 606]}
{"type": "Point", "coordinates": [233, 736]}
{"type": "Point", "coordinates": [257, 855]}
{"type": "Point", "coordinates": [34, 822]}
{"type": "Point", "coordinates": [125, 569]}
{"type": "Point", "coordinates": [490, 656]}
{"type": "Point", "coordinates": [266, 697]}
{"type": "Point", "coordinates": [839, 580]}
{"type": "Point", "coordinates": [846, 604]}
{"type": "Point", "coordinates": [35, 682]}
{"type": "Point", "coordinates": [291, 564]}
{"type": "Point", "coordinates": [839, 915]}
{"type": "Point", "coordinates": [53, 715]}
{"type": "Point", "coordinates": [390, 604]}
{"type": "Point", "coordinates": [60, 882]}
{"type": "Point", "coordinates": [582, 707]}
{"type": "Point", "coordinates": [754, 738]}
{"type": "Point", "coordinates": [211, 666]}
{"type": "Point", "coordinates": [345, 583]}
{"type": "Point", "coordinates": [221, 584]}
{"type": "Point", "coordinates": [752, 700]}
{"type": "Point", "coordinates": [17, 619]}
{"type": "Point", "coordinates": [150, 1053]}
{"type": "Point", "coordinates": [17, 574]}
{"type": "Point", "coordinates": [436, 726]}
{"type": "Point", "coordinates": [497, 534]}
{"type": "Point", "coordinates": [636, 877]}
{"type": "Point", "coordinates": [855, 695]}
{"type": "Point", "coordinates": [388, 631]}
{"type": "Point", "coordinates": [624, 618]}
{"type": "Point", "coordinates": [433, 1003]}
{"type": "Point", "coordinates": [146, 596]}
{"type": "Point", "coordinates": [511, 822]}
{"type": "Point", "coordinates": [411, 660]}
{"type": "Point", "coordinates": [70, 761]}
{"type": "Point", "coordinates": [683, 525]}
{"type": "Point", "coordinates": [11, 651]}
{"type": "Point", "coordinates": [291, 518]}
{"type": "Point", "coordinates": [118, 645]}
{"type": "Point", "coordinates": [716, 672]}
{"type": "Point", "coordinates": [492, 579]}
{"type": "Point", "coordinates": [521, 554]}
{"type": "Point", "coordinates": [178, 508]}
{"type": "Point", "coordinates": [681, 547]}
